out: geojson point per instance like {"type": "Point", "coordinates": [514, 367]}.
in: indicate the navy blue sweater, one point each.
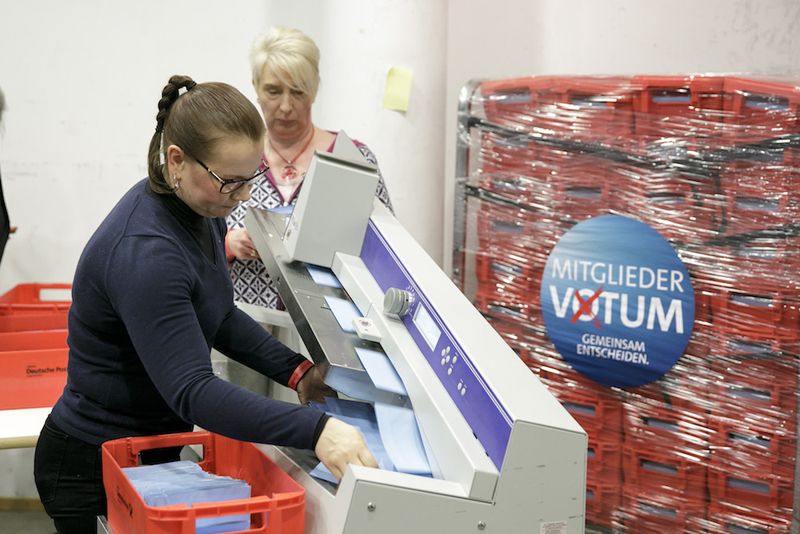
{"type": "Point", "coordinates": [147, 307]}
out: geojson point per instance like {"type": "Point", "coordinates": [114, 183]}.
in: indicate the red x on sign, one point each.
{"type": "Point", "coordinates": [586, 307]}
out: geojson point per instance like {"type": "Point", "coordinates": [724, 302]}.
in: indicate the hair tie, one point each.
{"type": "Point", "coordinates": [190, 85]}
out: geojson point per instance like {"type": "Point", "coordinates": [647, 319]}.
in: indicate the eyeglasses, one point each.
{"type": "Point", "coordinates": [228, 186]}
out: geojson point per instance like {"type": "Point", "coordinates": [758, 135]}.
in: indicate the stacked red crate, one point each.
{"type": "Point", "coordinates": [666, 431]}
{"type": "Point", "coordinates": [526, 102]}
{"type": "Point", "coordinates": [695, 158]}
{"type": "Point", "coordinates": [727, 519]}
{"type": "Point", "coordinates": [33, 345]}
{"type": "Point", "coordinates": [508, 273]}
{"type": "Point", "coordinates": [753, 447]}
{"type": "Point", "coordinates": [582, 185]}
{"type": "Point", "coordinates": [760, 109]}
{"type": "Point", "coordinates": [678, 116]}
{"type": "Point", "coordinates": [684, 208]}
{"type": "Point", "coordinates": [654, 513]}
{"type": "Point", "coordinates": [595, 109]}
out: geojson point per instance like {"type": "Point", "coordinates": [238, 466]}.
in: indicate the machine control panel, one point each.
{"type": "Point", "coordinates": [489, 421]}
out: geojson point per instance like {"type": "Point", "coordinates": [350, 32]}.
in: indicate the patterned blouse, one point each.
{"type": "Point", "coordinates": [251, 283]}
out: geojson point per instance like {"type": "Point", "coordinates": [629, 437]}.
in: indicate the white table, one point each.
{"type": "Point", "coordinates": [20, 428]}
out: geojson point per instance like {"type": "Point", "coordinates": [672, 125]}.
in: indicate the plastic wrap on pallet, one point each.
{"type": "Point", "coordinates": [712, 163]}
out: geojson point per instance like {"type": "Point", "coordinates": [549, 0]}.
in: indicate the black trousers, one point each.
{"type": "Point", "coordinates": [69, 478]}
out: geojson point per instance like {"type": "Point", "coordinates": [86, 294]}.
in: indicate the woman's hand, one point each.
{"type": "Point", "coordinates": [240, 244]}
{"type": "Point", "coordinates": [341, 444]}
{"type": "Point", "coordinates": [312, 388]}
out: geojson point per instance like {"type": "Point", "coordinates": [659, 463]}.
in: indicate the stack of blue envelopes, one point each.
{"type": "Point", "coordinates": [185, 482]}
{"type": "Point", "coordinates": [390, 432]}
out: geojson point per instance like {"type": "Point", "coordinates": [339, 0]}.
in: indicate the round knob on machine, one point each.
{"type": "Point", "coordinates": [396, 301]}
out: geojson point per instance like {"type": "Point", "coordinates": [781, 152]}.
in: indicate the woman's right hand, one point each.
{"type": "Point", "coordinates": [240, 244]}
{"type": "Point", "coordinates": [341, 444]}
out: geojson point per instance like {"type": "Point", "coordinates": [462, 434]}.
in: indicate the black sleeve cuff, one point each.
{"type": "Point", "coordinates": [318, 429]}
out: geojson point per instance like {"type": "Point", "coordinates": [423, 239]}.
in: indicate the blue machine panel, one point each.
{"type": "Point", "coordinates": [488, 419]}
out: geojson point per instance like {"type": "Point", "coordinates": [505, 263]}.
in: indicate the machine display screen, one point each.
{"type": "Point", "coordinates": [428, 329]}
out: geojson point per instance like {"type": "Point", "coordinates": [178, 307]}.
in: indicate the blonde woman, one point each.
{"type": "Point", "coordinates": [285, 71]}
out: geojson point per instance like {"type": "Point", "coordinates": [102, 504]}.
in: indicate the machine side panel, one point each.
{"type": "Point", "coordinates": [543, 481]}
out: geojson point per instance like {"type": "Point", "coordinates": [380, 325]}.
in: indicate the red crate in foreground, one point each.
{"type": "Point", "coordinates": [277, 504]}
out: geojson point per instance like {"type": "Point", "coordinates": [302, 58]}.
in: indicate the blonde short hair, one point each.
{"type": "Point", "coordinates": [291, 55]}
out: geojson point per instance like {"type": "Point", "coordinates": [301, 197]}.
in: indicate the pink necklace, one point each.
{"type": "Point", "coordinates": [289, 172]}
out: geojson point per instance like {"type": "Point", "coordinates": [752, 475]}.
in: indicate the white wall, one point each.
{"type": "Point", "coordinates": [524, 37]}
{"type": "Point", "coordinates": [82, 80]}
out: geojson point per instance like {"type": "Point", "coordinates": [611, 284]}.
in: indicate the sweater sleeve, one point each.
{"type": "Point", "coordinates": [150, 284]}
{"type": "Point", "coordinates": [244, 340]}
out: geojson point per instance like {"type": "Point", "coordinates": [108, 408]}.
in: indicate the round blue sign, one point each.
{"type": "Point", "coordinates": [617, 301]}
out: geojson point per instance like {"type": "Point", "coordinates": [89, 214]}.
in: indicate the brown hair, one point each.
{"type": "Point", "coordinates": [196, 120]}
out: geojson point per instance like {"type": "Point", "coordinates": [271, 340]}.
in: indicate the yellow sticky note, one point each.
{"type": "Point", "coordinates": [398, 88]}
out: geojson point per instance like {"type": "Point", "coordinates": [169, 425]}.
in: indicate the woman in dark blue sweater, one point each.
{"type": "Point", "coordinates": [152, 296]}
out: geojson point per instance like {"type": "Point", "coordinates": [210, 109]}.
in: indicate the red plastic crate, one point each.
{"type": "Point", "coordinates": [727, 519]}
{"type": "Point", "coordinates": [503, 282]}
{"type": "Point", "coordinates": [519, 99]}
{"type": "Point", "coordinates": [746, 355]}
{"type": "Point", "coordinates": [644, 513]}
{"type": "Point", "coordinates": [686, 109]}
{"type": "Point", "coordinates": [503, 228]}
{"type": "Point", "coordinates": [654, 472]}
{"type": "Point", "coordinates": [754, 381]}
{"type": "Point", "coordinates": [670, 96]}
{"type": "Point", "coordinates": [604, 459]}
{"type": "Point", "coordinates": [276, 506]}
{"type": "Point", "coordinates": [750, 208]}
{"type": "Point", "coordinates": [595, 109]}
{"type": "Point", "coordinates": [602, 501]}
{"type": "Point", "coordinates": [32, 378]}
{"type": "Point", "coordinates": [583, 186]}
{"type": "Point", "coordinates": [761, 109]}
{"type": "Point", "coordinates": [753, 445]}
{"type": "Point", "coordinates": [592, 406]}
{"type": "Point", "coordinates": [681, 207]}
{"type": "Point", "coordinates": [760, 262]}
{"type": "Point", "coordinates": [524, 186]}
{"type": "Point", "coordinates": [33, 340]}
{"type": "Point", "coordinates": [35, 298]}
{"type": "Point", "coordinates": [761, 312]}
{"type": "Point", "coordinates": [761, 491]}
{"type": "Point", "coordinates": [511, 154]}
{"type": "Point", "coordinates": [19, 322]}
{"type": "Point", "coordinates": [666, 428]}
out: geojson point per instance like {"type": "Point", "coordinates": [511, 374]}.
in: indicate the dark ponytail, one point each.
{"type": "Point", "coordinates": [196, 120]}
{"type": "Point", "coordinates": [155, 169]}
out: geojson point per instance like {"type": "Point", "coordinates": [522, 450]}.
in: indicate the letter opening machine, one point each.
{"type": "Point", "coordinates": [504, 455]}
